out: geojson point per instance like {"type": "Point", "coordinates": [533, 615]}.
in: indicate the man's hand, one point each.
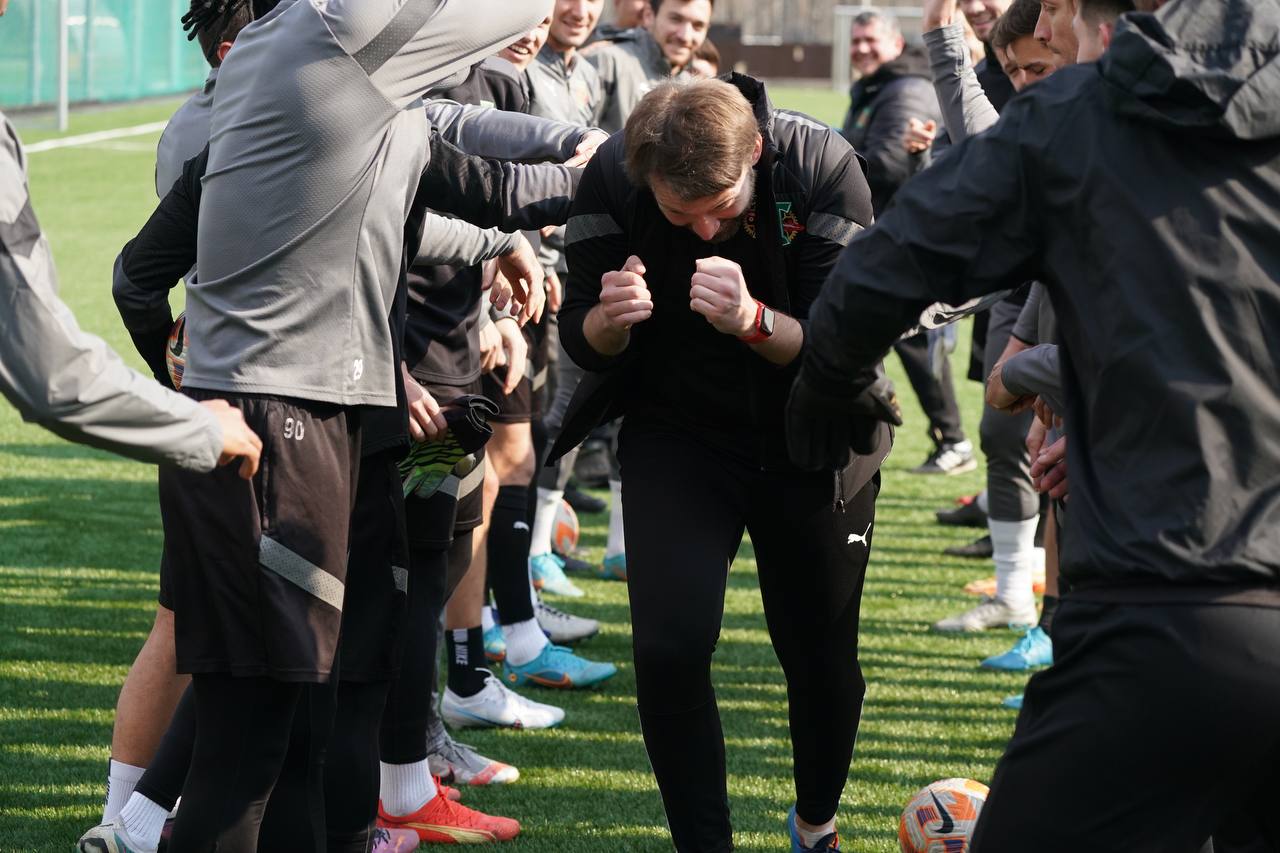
{"type": "Point", "coordinates": [1035, 439]}
{"type": "Point", "coordinates": [936, 14]}
{"type": "Point", "coordinates": [586, 149]}
{"type": "Point", "coordinates": [238, 441]}
{"type": "Point", "coordinates": [718, 291]}
{"type": "Point", "coordinates": [515, 350]}
{"type": "Point", "coordinates": [920, 135]}
{"type": "Point", "coordinates": [624, 297]}
{"type": "Point", "coordinates": [490, 348]}
{"type": "Point", "coordinates": [555, 291]}
{"type": "Point", "coordinates": [524, 282]}
{"type": "Point", "coordinates": [425, 421]}
{"type": "Point", "coordinates": [1000, 397]}
{"type": "Point", "coordinates": [1049, 470]}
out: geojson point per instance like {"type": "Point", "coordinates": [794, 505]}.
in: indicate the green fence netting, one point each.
{"type": "Point", "coordinates": [116, 50]}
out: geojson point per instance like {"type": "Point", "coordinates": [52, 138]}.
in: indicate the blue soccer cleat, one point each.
{"type": "Point", "coordinates": [1034, 649]}
{"type": "Point", "coordinates": [495, 644]}
{"type": "Point", "coordinates": [614, 568]}
{"type": "Point", "coordinates": [1013, 702]}
{"type": "Point", "coordinates": [828, 842]}
{"type": "Point", "coordinates": [557, 666]}
{"type": "Point", "coordinates": [548, 575]}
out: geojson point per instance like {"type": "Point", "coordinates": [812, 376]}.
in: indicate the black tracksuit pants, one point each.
{"type": "Point", "coordinates": [937, 396]}
{"type": "Point", "coordinates": [1155, 727]}
{"type": "Point", "coordinates": [686, 508]}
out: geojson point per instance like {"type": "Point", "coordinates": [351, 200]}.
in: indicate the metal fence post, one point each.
{"type": "Point", "coordinates": [63, 112]}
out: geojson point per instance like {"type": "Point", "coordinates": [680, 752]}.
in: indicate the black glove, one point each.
{"type": "Point", "coordinates": [824, 429]}
{"type": "Point", "coordinates": [468, 419]}
{"type": "Point", "coordinates": [428, 464]}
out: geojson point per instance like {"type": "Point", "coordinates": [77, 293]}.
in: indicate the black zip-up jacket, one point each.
{"type": "Point", "coordinates": [811, 198]}
{"type": "Point", "coordinates": [1144, 191]}
{"type": "Point", "coordinates": [880, 106]}
{"type": "Point", "coordinates": [441, 338]}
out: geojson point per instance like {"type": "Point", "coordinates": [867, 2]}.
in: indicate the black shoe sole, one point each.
{"type": "Point", "coordinates": [979, 549]}
{"type": "Point", "coordinates": [585, 503]}
{"type": "Point", "coordinates": [968, 515]}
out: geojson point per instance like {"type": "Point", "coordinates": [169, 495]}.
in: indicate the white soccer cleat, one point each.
{"type": "Point", "coordinates": [990, 613]}
{"type": "Point", "coordinates": [564, 628]}
{"type": "Point", "coordinates": [497, 706]}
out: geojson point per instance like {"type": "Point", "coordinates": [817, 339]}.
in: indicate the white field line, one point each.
{"type": "Point", "coordinates": [91, 138]}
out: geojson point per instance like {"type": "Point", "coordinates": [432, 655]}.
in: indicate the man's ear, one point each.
{"type": "Point", "coordinates": [755, 155]}
{"type": "Point", "coordinates": [1106, 32]}
{"type": "Point", "coordinates": [223, 49]}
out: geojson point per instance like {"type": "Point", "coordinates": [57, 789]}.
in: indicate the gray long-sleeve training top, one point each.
{"type": "Point", "coordinates": [316, 143]}
{"type": "Point", "coordinates": [65, 379]}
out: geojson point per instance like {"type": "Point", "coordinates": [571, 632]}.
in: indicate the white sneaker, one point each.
{"type": "Point", "coordinates": [990, 613]}
{"type": "Point", "coordinates": [497, 705]}
{"type": "Point", "coordinates": [110, 838]}
{"type": "Point", "coordinates": [563, 628]}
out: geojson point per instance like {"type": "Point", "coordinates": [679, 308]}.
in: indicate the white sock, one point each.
{"type": "Point", "coordinates": [405, 788]}
{"type": "Point", "coordinates": [144, 821]}
{"type": "Point", "coordinates": [544, 520]}
{"type": "Point", "coordinates": [1013, 545]}
{"type": "Point", "coordinates": [617, 542]}
{"type": "Point", "coordinates": [121, 780]}
{"type": "Point", "coordinates": [525, 641]}
{"type": "Point", "coordinates": [811, 839]}
{"type": "Point", "coordinates": [983, 501]}
{"type": "Point", "coordinates": [486, 618]}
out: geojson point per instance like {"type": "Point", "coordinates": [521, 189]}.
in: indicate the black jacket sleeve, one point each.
{"type": "Point", "coordinates": [594, 245]}
{"type": "Point", "coordinates": [888, 163]}
{"type": "Point", "coordinates": [965, 227]}
{"type": "Point", "coordinates": [839, 209]}
{"type": "Point", "coordinates": [151, 264]}
{"type": "Point", "coordinates": [492, 194]}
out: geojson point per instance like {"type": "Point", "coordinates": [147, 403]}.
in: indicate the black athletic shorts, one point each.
{"type": "Point", "coordinates": [261, 564]}
{"type": "Point", "coordinates": [373, 612]}
{"type": "Point", "coordinates": [528, 399]}
{"type": "Point", "coordinates": [456, 506]}
{"type": "Point", "coordinates": [165, 598]}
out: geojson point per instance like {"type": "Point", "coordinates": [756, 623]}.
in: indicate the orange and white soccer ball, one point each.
{"type": "Point", "coordinates": [565, 530]}
{"type": "Point", "coordinates": [941, 817]}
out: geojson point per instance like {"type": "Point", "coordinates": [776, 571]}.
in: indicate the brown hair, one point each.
{"type": "Point", "coordinates": [708, 52]}
{"type": "Point", "coordinates": [696, 137]}
{"type": "Point", "coordinates": [1104, 11]}
{"type": "Point", "coordinates": [1019, 20]}
{"type": "Point", "coordinates": [657, 4]}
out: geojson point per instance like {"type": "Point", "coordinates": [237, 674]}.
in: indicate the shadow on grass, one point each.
{"type": "Point", "coordinates": [63, 451]}
{"type": "Point", "coordinates": [78, 523]}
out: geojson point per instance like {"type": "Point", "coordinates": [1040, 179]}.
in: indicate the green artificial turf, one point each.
{"type": "Point", "coordinates": [80, 538]}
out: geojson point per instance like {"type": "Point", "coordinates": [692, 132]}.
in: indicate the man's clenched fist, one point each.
{"type": "Point", "coordinates": [624, 296]}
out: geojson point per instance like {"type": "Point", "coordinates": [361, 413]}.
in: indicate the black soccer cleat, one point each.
{"type": "Point", "coordinates": [979, 549]}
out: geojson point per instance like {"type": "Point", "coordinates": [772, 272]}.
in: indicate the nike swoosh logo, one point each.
{"type": "Point", "coordinates": [564, 681]}
{"type": "Point", "coordinates": [948, 825]}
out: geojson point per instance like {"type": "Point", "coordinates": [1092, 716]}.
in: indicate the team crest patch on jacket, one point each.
{"type": "Point", "coordinates": [789, 225]}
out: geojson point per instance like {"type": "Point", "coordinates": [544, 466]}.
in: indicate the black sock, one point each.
{"type": "Point", "coordinates": [509, 554]}
{"type": "Point", "coordinates": [1047, 612]}
{"type": "Point", "coordinates": [466, 660]}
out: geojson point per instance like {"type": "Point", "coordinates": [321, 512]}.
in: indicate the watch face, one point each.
{"type": "Point", "coordinates": [766, 322]}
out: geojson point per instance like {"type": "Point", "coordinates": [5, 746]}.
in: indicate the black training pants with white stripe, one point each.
{"type": "Point", "coordinates": [687, 504]}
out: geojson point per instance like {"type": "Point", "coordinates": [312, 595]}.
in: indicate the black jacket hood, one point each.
{"type": "Point", "coordinates": [1207, 67]}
